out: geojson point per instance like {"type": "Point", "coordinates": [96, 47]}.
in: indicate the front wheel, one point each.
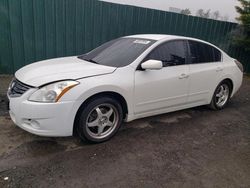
{"type": "Point", "coordinates": [221, 96]}
{"type": "Point", "coordinates": [100, 120]}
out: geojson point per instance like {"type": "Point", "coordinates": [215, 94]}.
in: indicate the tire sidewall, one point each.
{"type": "Point", "coordinates": [82, 127]}
{"type": "Point", "coordinates": [213, 104]}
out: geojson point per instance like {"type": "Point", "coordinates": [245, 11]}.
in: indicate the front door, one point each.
{"type": "Point", "coordinates": [156, 90]}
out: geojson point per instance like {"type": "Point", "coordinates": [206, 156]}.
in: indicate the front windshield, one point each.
{"type": "Point", "coordinates": [119, 52]}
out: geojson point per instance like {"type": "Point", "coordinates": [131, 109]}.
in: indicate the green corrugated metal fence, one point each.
{"type": "Point", "coordinates": [33, 30]}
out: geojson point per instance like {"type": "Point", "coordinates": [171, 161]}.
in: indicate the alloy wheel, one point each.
{"type": "Point", "coordinates": [102, 120]}
{"type": "Point", "coordinates": [222, 95]}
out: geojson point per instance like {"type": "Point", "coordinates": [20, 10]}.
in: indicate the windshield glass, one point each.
{"type": "Point", "coordinates": [119, 52]}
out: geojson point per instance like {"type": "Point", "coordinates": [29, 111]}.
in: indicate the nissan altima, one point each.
{"type": "Point", "coordinates": [122, 80]}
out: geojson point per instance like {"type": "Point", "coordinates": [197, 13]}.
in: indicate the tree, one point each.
{"type": "Point", "coordinates": [202, 13]}
{"type": "Point", "coordinates": [215, 15]}
{"type": "Point", "coordinates": [242, 39]}
{"type": "Point", "coordinates": [225, 18]}
{"type": "Point", "coordinates": [207, 14]}
{"type": "Point", "coordinates": [186, 11]}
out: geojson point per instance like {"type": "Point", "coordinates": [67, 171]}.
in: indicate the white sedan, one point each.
{"type": "Point", "coordinates": [125, 79]}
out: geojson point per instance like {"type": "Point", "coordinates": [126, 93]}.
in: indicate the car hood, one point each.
{"type": "Point", "coordinates": [39, 73]}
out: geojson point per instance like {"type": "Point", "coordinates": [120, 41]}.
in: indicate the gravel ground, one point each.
{"type": "Point", "coordinates": [190, 148]}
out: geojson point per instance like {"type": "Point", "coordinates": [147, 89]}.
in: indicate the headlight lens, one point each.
{"type": "Point", "coordinates": [52, 92]}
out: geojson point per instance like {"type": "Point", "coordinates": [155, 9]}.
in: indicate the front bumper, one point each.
{"type": "Point", "coordinates": [44, 119]}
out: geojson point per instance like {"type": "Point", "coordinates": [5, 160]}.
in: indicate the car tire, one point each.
{"type": "Point", "coordinates": [221, 96]}
{"type": "Point", "coordinates": [99, 120]}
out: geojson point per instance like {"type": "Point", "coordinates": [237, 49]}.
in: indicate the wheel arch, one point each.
{"type": "Point", "coordinates": [230, 81]}
{"type": "Point", "coordinates": [226, 79]}
{"type": "Point", "coordinates": [112, 94]}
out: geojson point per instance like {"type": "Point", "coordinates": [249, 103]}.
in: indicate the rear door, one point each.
{"type": "Point", "coordinates": [205, 69]}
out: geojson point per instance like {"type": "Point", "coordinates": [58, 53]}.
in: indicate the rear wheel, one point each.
{"type": "Point", "coordinates": [221, 96]}
{"type": "Point", "coordinates": [100, 119]}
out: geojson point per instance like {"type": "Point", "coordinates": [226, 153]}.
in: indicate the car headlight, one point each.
{"type": "Point", "coordinates": [52, 92]}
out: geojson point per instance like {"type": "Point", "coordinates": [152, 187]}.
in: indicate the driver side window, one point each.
{"type": "Point", "coordinates": [170, 53]}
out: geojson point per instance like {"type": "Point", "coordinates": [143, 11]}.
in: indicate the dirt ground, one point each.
{"type": "Point", "coordinates": [190, 148]}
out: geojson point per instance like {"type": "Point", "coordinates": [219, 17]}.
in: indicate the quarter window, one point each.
{"type": "Point", "coordinates": [170, 53]}
{"type": "Point", "coordinates": [203, 53]}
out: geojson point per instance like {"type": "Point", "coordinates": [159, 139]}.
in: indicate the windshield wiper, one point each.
{"type": "Point", "coordinates": [92, 61]}
{"type": "Point", "coordinates": [86, 59]}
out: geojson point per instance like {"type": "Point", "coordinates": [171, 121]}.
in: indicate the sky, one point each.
{"type": "Point", "coordinates": [225, 7]}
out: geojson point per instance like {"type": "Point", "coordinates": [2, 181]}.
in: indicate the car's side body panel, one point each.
{"type": "Point", "coordinates": [159, 89]}
{"type": "Point", "coordinates": [203, 78]}
{"type": "Point", "coordinates": [232, 72]}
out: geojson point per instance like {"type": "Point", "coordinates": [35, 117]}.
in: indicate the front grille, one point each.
{"type": "Point", "coordinates": [17, 88]}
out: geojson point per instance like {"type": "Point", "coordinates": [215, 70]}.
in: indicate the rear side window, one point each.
{"type": "Point", "coordinates": [170, 53]}
{"type": "Point", "coordinates": [203, 53]}
{"type": "Point", "coordinates": [217, 55]}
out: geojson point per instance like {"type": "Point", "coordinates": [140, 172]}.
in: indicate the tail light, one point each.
{"type": "Point", "coordinates": [239, 65]}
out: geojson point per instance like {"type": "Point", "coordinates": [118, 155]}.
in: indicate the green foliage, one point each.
{"type": "Point", "coordinates": [241, 37]}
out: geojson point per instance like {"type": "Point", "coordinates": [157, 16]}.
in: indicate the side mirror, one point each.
{"type": "Point", "coordinates": [152, 65]}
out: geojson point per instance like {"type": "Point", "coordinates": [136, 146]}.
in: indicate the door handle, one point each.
{"type": "Point", "coordinates": [183, 76]}
{"type": "Point", "coordinates": [218, 69]}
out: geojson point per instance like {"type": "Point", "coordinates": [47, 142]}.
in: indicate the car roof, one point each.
{"type": "Point", "coordinates": [151, 36]}
{"type": "Point", "coordinates": [159, 37]}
